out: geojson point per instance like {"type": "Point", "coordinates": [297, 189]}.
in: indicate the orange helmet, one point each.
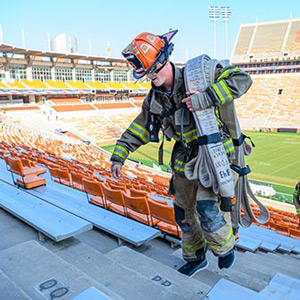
{"type": "Point", "coordinates": [147, 50]}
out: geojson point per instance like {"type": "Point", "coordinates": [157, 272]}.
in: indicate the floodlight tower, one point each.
{"type": "Point", "coordinates": [214, 15]}
{"type": "Point", "coordinates": [225, 12]}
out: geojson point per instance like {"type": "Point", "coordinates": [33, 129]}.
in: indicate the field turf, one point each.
{"type": "Point", "coordinates": [275, 157]}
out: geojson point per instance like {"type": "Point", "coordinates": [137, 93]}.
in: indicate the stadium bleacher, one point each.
{"type": "Point", "coordinates": [16, 85]}
{"type": "Point", "coordinates": [71, 107]}
{"type": "Point", "coordinates": [35, 84]}
{"type": "Point", "coordinates": [66, 100]}
{"type": "Point", "coordinates": [115, 85]}
{"type": "Point", "coordinates": [97, 85]}
{"type": "Point", "coordinates": [78, 84]}
{"type": "Point", "coordinates": [265, 107]}
{"type": "Point", "coordinates": [267, 41]}
{"type": "Point", "coordinates": [58, 84]}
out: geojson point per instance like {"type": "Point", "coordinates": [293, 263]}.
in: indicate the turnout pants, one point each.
{"type": "Point", "coordinates": [202, 223]}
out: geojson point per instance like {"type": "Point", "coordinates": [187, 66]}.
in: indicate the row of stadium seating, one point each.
{"type": "Point", "coordinates": [112, 195]}
{"type": "Point", "coordinates": [91, 165]}
{"type": "Point", "coordinates": [16, 108]}
{"type": "Point", "coordinates": [50, 84]}
{"type": "Point", "coordinates": [283, 222]}
{"type": "Point", "coordinates": [65, 100]}
{"type": "Point", "coordinates": [112, 126]}
{"type": "Point", "coordinates": [74, 104]}
{"type": "Point", "coordinates": [72, 107]}
{"type": "Point", "coordinates": [82, 153]}
{"type": "Point", "coordinates": [86, 107]}
{"type": "Point", "coordinates": [268, 40]}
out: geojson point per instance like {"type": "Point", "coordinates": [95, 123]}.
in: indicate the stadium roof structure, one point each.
{"type": "Point", "coordinates": [267, 41]}
{"type": "Point", "coordinates": [5, 48]}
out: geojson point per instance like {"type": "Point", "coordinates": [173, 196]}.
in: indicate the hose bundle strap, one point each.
{"type": "Point", "coordinates": [209, 139]}
{"type": "Point", "coordinates": [241, 171]}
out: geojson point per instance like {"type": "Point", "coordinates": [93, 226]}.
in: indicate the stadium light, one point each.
{"type": "Point", "coordinates": [214, 14]}
{"type": "Point", "coordinates": [226, 12]}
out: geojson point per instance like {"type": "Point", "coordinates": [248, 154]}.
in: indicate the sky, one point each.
{"type": "Point", "coordinates": [117, 22]}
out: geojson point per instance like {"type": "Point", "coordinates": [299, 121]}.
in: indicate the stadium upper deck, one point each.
{"type": "Point", "coordinates": [35, 72]}
{"type": "Point", "coordinates": [268, 47]}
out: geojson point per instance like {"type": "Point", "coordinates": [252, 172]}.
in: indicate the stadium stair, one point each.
{"type": "Point", "coordinates": [281, 287]}
{"type": "Point", "coordinates": [241, 274]}
{"type": "Point", "coordinates": [92, 294]}
{"type": "Point", "coordinates": [10, 290]}
{"type": "Point", "coordinates": [126, 280]}
{"type": "Point", "coordinates": [39, 266]}
{"type": "Point", "coordinates": [47, 219]}
{"type": "Point", "coordinates": [159, 273]}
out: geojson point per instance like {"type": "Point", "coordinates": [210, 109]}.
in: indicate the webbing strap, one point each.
{"type": "Point", "coordinates": [238, 142]}
{"type": "Point", "coordinates": [161, 152]}
{"type": "Point", "coordinates": [183, 142]}
{"type": "Point", "coordinates": [167, 113]}
{"type": "Point", "coordinates": [241, 171]}
{"type": "Point", "coordinates": [209, 139]}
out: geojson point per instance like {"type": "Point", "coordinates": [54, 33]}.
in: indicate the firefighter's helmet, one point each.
{"type": "Point", "coordinates": [147, 50]}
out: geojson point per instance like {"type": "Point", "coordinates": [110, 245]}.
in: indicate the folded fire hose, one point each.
{"type": "Point", "coordinates": [211, 166]}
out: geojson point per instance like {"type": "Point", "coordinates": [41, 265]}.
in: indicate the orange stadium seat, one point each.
{"type": "Point", "coordinates": [94, 188]}
{"type": "Point", "coordinates": [29, 180]}
{"type": "Point", "coordinates": [165, 215]}
{"type": "Point", "coordinates": [114, 200]}
{"type": "Point", "coordinates": [138, 209]}
{"type": "Point", "coordinates": [64, 176]}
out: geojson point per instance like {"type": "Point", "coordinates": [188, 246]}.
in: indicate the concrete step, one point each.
{"type": "Point", "coordinates": [42, 274]}
{"type": "Point", "coordinates": [239, 273]}
{"type": "Point", "coordinates": [264, 272]}
{"type": "Point", "coordinates": [92, 294]}
{"type": "Point", "coordinates": [274, 263]}
{"type": "Point", "coordinates": [9, 290]}
{"type": "Point", "coordinates": [112, 274]}
{"type": "Point", "coordinates": [287, 259]}
{"type": "Point", "coordinates": [227, 290]}
{"type": "Point", "coordinates": [159, 273]}
{"type": "Point", "coordinates": [282, 287]}
{"type": "Point", "coordinates": [13, 231]}
{"type": "Point", "coordinates": [165, 257]}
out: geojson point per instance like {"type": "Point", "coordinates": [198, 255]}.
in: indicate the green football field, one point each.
{"type": "Point", "coordinates": [275, 157]}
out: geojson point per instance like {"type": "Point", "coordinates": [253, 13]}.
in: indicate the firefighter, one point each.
{"type": "Point", "coordinates": [197, 209]}
{"type": "Point", "coordinates": [296, 198]}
